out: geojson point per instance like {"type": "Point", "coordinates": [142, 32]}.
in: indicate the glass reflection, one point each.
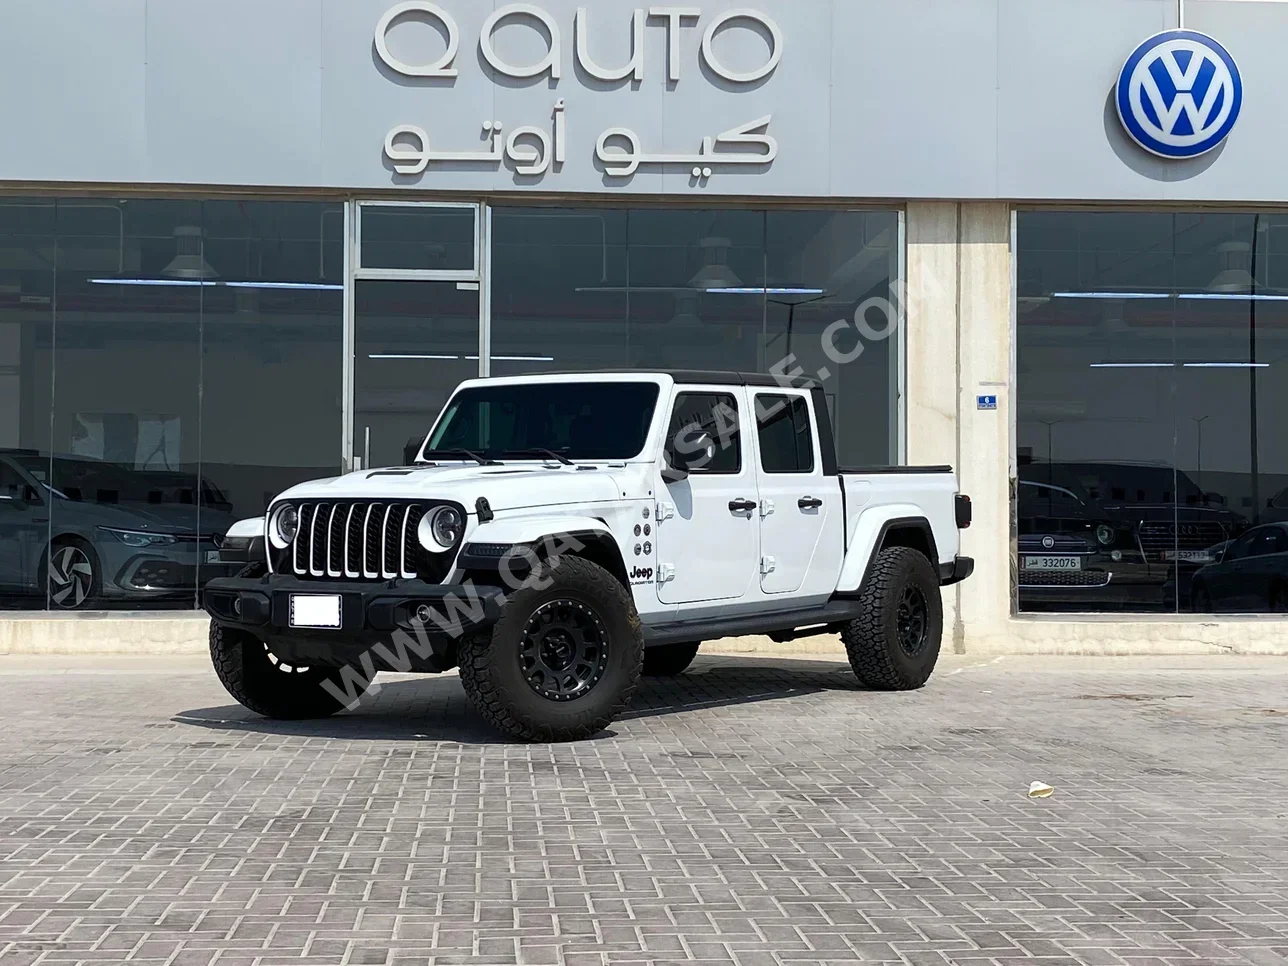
{"type": "Point", "coordinates": [181, 350]}
{"type": "Point", "coordinates": [1148, 350]}
{"type": "Point", "coordinates": [585, 289]}
{"type": "Point", "coordinates": [27, 231]}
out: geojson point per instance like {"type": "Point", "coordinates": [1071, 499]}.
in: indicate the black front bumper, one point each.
{"type": "Point", "coordinates": [434, 616]}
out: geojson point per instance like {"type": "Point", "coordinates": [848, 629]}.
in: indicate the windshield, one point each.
{"type": "Point", "coordinates": [576, 420]}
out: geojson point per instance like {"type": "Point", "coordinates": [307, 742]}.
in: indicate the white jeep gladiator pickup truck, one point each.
{"type": "Point", "coordinates": [557, 536]}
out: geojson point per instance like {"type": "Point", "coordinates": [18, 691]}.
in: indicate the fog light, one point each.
{"type": "Point", "coordinates": [237, 610]}
{"type": "Point", "coordinates": [1116, 556]}
{"type": "Point", "coordinates": [1105, 534]}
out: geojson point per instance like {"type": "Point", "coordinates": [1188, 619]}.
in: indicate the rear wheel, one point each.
{"type": "Point", "coordinates": [894, 646]}
{"type": "Point", "coordinates": [669, 660]}
{"type": "Point", "coordinates": [563, 661]}
{"type": "Point", "coordinates": [267, 686]}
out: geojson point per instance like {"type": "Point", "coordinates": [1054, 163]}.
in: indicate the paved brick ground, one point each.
{"type": "Point", "coordinates": [756, 812]}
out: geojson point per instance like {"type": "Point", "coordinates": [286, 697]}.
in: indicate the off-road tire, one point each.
{"type": "Point", "coordinates": [669, 660]}
{"type": "Point", "coordinates": [249, 674]}
{"type": "Point", "coordinates": [872, 641]}
{"type": "Point", "coordinates": [496, 684]}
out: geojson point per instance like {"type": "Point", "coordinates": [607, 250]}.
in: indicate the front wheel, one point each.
{"type": "Point", "coordinates": [894, 646]}
{"type": "Point", "coordinates": [265, 685]}
{"type": "Point", "coordinates": [563, 661]}
{"type": "Point", "coordinates": [73, 574]}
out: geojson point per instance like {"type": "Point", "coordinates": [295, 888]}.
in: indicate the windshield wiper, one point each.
{"type": "Point", "coordinates": [540, 451]}
{"type": "Point", "coordinates": [457, 451]}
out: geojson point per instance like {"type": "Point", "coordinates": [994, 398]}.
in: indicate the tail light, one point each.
{"type": "Point", "coordinates": [963, 508]}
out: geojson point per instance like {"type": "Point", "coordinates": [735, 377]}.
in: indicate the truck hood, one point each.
{"type": "Point", "coordinates": [510, 487]}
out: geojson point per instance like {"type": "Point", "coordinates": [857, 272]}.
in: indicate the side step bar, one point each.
{"type": "Point", "coordinates": [780, 626]}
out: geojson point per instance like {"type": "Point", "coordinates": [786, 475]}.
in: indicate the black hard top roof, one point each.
{"type": "Point", "coordinates": [714, 377]}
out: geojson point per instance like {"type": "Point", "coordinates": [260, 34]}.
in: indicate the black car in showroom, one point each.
{"type": "Point", "coordinates": [1164, 529]}
{"type": "Point", "coordinates": [1071, 553]}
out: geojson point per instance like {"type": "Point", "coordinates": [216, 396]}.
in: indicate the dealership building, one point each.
{"type": "Point", "coordinates": [246, 244]}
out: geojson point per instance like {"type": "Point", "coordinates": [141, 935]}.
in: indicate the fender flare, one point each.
{"type": "Point", "coordinates": [535, 528]}
{"type": "Point", "coordinates": [869, 534]}
{"type": "Point", "coordinates": [527, 529]}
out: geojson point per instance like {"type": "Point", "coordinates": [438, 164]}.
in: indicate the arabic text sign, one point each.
{"type": "Point", "coordinates": [533, 150]}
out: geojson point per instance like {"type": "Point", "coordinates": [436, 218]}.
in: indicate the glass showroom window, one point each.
{"type": "Point", "coordinates": [587, 288]}
{"type": "Point", "coordinates": [178, 363]}
{"type": "Point", "coordinates": [1151, 382]}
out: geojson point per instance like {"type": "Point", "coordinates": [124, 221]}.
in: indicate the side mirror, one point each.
{"type": "Point", "coordinates": [691, 453]}
{"type": "Point", "coordinates": [412, 449]}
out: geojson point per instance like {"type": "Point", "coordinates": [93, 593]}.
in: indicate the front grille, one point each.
{"type": "Point", "coordinates": [359, 541]}
{"type": "Point", "coordinates": [1035, 543]}
{"type": "Point", "coordinates": [1065, 578]}
{"type": "Point", "coordinates": [1157, 538]}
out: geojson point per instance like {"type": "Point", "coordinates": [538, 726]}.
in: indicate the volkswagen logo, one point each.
{"type": "Point", "coordinates": [1048, 543]}
{"type": "Point", "coordinates": [1179, 94]}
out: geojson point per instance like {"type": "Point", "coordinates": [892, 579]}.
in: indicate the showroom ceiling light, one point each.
{"type": "Point", "coordinates": [767, 291]}
{"type": "Point", "coordinates": [1186, 296]}
{"type": "Point", "coordinates": [197, 283]}
{"type": "Point", "coordinates": [1110, 295]}
{"type": "Point", "coordinates": [1185, 365]}
{"type": "Point", "coordinates": [715, 272]}
{"type": "Point", "coordinates": [189, 262]}
{"type": "Point", "coordinates": [1233, 297]}
{"type": "Point", "coordinates": [447, 358]}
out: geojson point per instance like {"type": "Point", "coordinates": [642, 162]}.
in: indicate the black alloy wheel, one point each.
{"type": "Point", "coordinates": [564, 651]}
{"type": "Point", "coordinates": [912, 617]}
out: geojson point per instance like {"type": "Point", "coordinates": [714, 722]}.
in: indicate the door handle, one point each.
{"type": "Point", "coordinates": [809, 503]}
{"type": "Point", "coordinates": [741, 506]}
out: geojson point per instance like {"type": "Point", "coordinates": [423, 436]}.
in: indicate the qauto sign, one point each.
{"type": "Point", "coordinates": [533, 150]}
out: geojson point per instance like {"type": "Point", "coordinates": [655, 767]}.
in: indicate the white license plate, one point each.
{"type": "Point", "coordinates": [315, 611]}
{"type": "Point", "coordinates": [1052, 563]}
{"type": "Point", "coordinates": [1188, 556]}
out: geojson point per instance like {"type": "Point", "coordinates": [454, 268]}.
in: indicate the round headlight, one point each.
{"type": "Point", "coordinates": [285, 526]}
{"type": "Point", "coordinates": [441, 529]}
{"type": "Point", "coordinates": [1105, 534]}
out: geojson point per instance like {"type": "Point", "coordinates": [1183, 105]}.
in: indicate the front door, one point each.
{"type": "Point", "coordinates": [416, 306]}
{"type": "Point", "coordinates": [800, 508]}
{"type": "Point", "coordinates": [707, 534]}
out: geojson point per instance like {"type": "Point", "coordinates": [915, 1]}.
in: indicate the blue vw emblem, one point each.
{"type": "Point", "coordinates": [1179, 94]}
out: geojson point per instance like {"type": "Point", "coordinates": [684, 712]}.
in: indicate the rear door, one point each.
{"type": "Point", "coordinates": [707, 539]}
{"type": "Point", "coordinates": [800, 512]}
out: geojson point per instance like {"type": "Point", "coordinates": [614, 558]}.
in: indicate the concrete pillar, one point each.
{"type": "Point", "coordinates": [931, 320]}
{"type": "Point", "coordinates": [958, 338]}
{"type": "Point", "coordinates": [984, 435]}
